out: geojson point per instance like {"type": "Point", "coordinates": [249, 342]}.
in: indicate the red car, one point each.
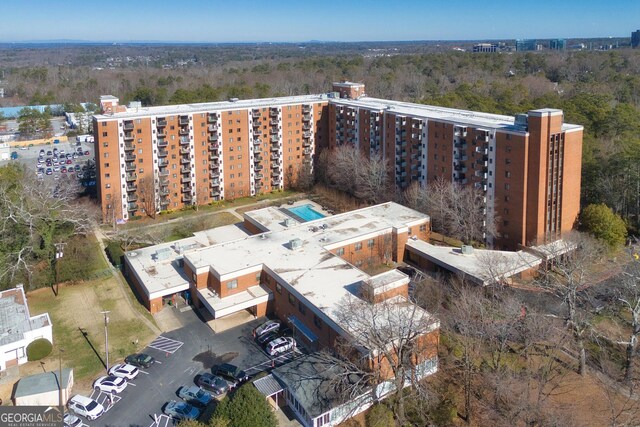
{"type": "Point", "coordinates": [86, 153]}
{"type": "Point", "coordinates": [69, 161]}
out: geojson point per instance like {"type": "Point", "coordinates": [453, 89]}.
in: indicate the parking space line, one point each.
{"type": "Point", "coordinates": [144, 372]}
{"type": "Point", "coordinates": [161, 420]}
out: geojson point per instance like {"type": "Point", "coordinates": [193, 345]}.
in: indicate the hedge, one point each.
{"type": "Point", "coordinates": [39, 349]}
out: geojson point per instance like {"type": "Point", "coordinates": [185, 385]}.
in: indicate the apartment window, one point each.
{"type": "Point", "coordinates": [258, 274]}
{"type": "Point", "coordinates": [105, 144]}
{"type": "Point", "coordinates": [507, 198]}
{"type": "Point", "coordinates": [371, 243]}
{"type": "Point", "coordinates": [104, 134]}
{"type": "Point", "coordinates": [506, 211]}
{"type": "Point", "coordinates": [232, 176]}
{"type": "Point", "coordinates": [139, 131]}
{"type": "Point", "coordinates": [507, 161]}
{"type": "Point", "coordinates": [505, 222]}
{"type": "Point", "coordinates": [317, 321]}
{"type": "Point", "coordinates": [358, 246]}
{"type": "Point", "coordinates": [106, 165]}
{"type": "Point", "coordinates": [292, 299]}
{"type": "Point", "coordinates": [107, 175]}
{"type": "Point", "coordinates": [139, 150]}
{"type": "Point", "coordinates": [423, 227]}
{"type": "Point", "coordinates": [231, 158]}
{"type": "Point", "coordinates": [232, 284]}
{"type": "Point", "coordinates": [107, 186]}
{"type": "Point", "coordinates": [508, 137]}
{"type": "Point", "coordinates": [340, 252]}
{"type": "Point", "coordinates": [409, 231]}
{"type": "Point", "coordinates": [507, 186]}
{"type": "Point", "coordinates": [507, 174]}
{"type": "Point", "coordinates": [239, 156]}
{"type": "Point", "coordinates": [301, 308]}
{"type": "Point", "coordinates": [104, 124]}
{"type": "Point", "coordinates": [230, 121]}
{"type": "Point", "coordinates": [106, 155]}
{"type": "Point", "coordinates": [278, 288]}
{"type": "Point", "coordinates": [508, 148]}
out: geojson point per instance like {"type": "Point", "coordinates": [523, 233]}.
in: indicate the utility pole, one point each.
{"type": "Point", "coordinates": [59, 254]}
{"type": "Point", "coordinates": [60, 351]}
{"type": "Point", "coordinates": [106, 336]}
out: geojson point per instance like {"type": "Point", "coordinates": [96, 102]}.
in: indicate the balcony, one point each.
{"type": "Point", "coordinates": [131, 177]}
{"type": "Point", "coordinates": [132, 207]}
{"type": "Point", "coordinates": [306, 109]}
{"type": "Point", "coordinates": [130, 167]}
{"type": "Point", "coordinates": [212, 118]}
{"type": "Point", "coordinates": [258, 167]}
{"type": "Point", "coordinates": [183, 131]}
{"type": "Point", "coordinates": [186, 170]}
{"type": "Point", "coordinates": [257, 123]}
{"type": "Point", "coordinates": [307, 152]}
{"type": "Point", "coordinates": [273, 130]}
{"type": "Point", "coordinates": [185, 160]}
{"type": "Point", "coordinates": [132, 187]}
{"type": "Point", "coordinates": [213, 175]}
{"type": "Point", "coordinates": [258, 176]}
{"type": "Point", "coordinates": [255, 114]}
{"type": "Point", "coordinates": [161, 134]}
{"type": "Point", "coordinates": [129, 147]}
{"type": "Point", "coordinates": [164, 182]}
{"type": "Point", "coordinates": [275, 173]}
{"type": "Point", "coordinates": [257, 132]}
{"type": "Point", "coordinates": [128, 126]}
{"type": "Point", "coordinates": [274, 139]}
{"type": "Point", "coordinates": [184, 141]}
{"type": "Point", "coordinates": [132, 198]}
{"type": "Point", "coordinates": [164, 203]}
{"type": "Point", "coordinates": [275, 182]}
{"type": "Point", "coordinates": [162, 143]}
{"type": "Point", "coordinates": [306, 127]}
{"type": "Point", "coordinates": [273, 113]}
{"type": "Point", "coordinates": [275, 166]}
{"type": "Point", "coordinates": [275, 147]}
{"type": "Point", "coordinates": [164, 172]}
{"type": "Point", "coordinates": [130, 158]}
{"type": "Point", "coordinates": [257, 141]}
{"type": "Point", "coordinates": [128, 136]}
{"type": "Point", "coordinates": [215, 193]}
{"type": "Point", "coordinates": [161, 123]}
{"type": "Point", "coordinates": [184, 120]}
{"type": "Point", "coordinates": [163, 153]}
{"type": "Point", "coordinates": [212, 128]}
{"type": "Point", "coordinates": [185, 178]}
{"type": "Point", "coordinates": [214, 147]}
{"type": "Point", "coordinates": [215, 168]}
{"type": "Point", "coordinates": [214, 156]}
{"type": "Point", "coordinates": [213, 138]}
{"type": "Point", "coordinates": [258, 159]}
{"type": "Point", "coordinates": [187, 198]}
{"type": "Point", "coordinates": [185, 150]}
{"type": "Point", "coordinates": [306, 117]}
{"type": "Point", "coordinates": [164, 193]}
{"type": "Point", "coordinates": [162, 163]}
{"type": "Point", "coordinates": [215, 183]}
{"type": "Point", "coordinates": [306, 143]}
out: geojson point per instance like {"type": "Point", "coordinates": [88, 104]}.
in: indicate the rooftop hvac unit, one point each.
{"type": "Point", "coordinates": [295, 244]}
{"type": "Point", "coordinates": [288, 222]}
{"type": "Point", "coordinates": [467, 249]}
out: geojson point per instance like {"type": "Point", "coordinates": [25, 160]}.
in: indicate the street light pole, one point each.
{"type": "Point", "coordinates": [60, 351]}
{"type": "Point", "coordinates": [106, 336]}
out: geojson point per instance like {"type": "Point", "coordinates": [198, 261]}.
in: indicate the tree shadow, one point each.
{"type": "Point", "coordinates": [85, 334]}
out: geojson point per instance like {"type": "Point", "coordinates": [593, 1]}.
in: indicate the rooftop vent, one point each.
{"type": "Point", "coordinates": [263, 236]}
{"type": "Point", "coordinates": [164, 253]}
{"type": "Point", "coordinates": [133, 254]}
{"type": "Point", "coordinates": [288, 222]}
{"type": "Point", "coordinates": [295, 244]}
{"type": "Point", "coordinates": [466, 249]}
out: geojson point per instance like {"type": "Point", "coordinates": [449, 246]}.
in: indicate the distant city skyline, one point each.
{"type": "Point", "coordinates": [288, 21]}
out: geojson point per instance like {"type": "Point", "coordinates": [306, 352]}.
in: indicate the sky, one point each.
{"type": "Point", "coordinates": [305, 20]}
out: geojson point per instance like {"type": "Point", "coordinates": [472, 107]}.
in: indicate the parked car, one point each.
{"type": "Point", "coordinates": [268, 326]}
{"type": "Point", "coordinates": [14, 155]}
{"type": "Point", "coordinates": [181, 410]}
{"type": "Point", "coordinates": [194, 394]}
{"type": "Point", "coordinates": [71, 420]}
{"type": "Point", "coordinates": [110, 384]}
{"type": "Point", "coordinates": [124, 370]}
{"type": "Point", "coordinates": [42, 152]}
{"type": "Point", "coordinates": [86, 153]}
{"type": "Point", "coordinates": [140, 360]}
{"type": "Point", "coordinates": [230, 372]}
{"type": "Point", "coordinates": [49, 153]}
{"type": "Point", "coordinates": [49, 171]}
{"type": "Point", "coordinates": [265, 338]}
{"type": "Point", "coordinates": [280, 345]}
{"type": "Point", "coordinates": [212, 383]}
{"type": "Point", "coordinates": [85, 407]}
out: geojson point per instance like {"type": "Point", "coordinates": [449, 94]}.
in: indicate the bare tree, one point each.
{"type": "Point", "coordinates": [34, 217]}
{"type": "Point", "coordinates": [629, 297]}
{"type": "Point", "coordinates": [388, 341]}
{"type": "Point", "coordinates": [455, 210]}
{"type": "Point", "coordinates": [147, 195]}
{"type": "Point", "coordinates": [566, 275]}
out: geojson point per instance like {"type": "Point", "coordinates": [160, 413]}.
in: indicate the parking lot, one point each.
{"type": "Point", "coordinates": [181, 356]}
{"type": "Point", "coordinates": [29, 156]}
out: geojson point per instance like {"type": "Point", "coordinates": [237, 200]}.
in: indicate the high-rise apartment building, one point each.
{"type": "Point", "coordinates": [163, 158]}
{"type": "Point", "coordinates": [635, 39]}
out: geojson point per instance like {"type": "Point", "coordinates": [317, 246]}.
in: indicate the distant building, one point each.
{"type": "Point", "coordinates": [485, 47]}
{"type": "Point", "coordinates": [635, 39]}
{"type": "Point", "coordinates": [525, 45]}
{"type": "Point", "coordinates": [558, 44]}
{"type": "Point", "coordinates": [18, 328]}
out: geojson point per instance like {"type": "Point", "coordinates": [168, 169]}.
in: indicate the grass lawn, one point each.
{"type": "Point", "coordinates": [82, 260]}
{"type": "Point", "coordinates": [187, 227]}
{"type": "Point", "coordinates": [78, 326]}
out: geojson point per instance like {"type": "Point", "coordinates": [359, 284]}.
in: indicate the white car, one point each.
{"type": "Point", "coordinates": [268, 326]}
{"type": "Point", "coordinates": [85, 407]}
{"type": "Point", "coordinates": [280, 345]}
{"type": "Point", "coordinates": [110, 384]}
{"type": "Point", "coordinates": [71, 420]}
{"type": "Point", "coordinates": [124, 370]}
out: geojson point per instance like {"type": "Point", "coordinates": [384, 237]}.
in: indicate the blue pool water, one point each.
{"type": "Point", "coordinates": [306, 212]}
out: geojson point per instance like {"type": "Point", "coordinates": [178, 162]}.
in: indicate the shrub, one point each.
{"type": "Point", "coordinates": [246, 407]}
{"type": "Point", "coordinates": [114, 252]}
{"type": "Point", "coordinates": [39, 349]}
{"type": "Point", "coordinates": [379, 416]}
{"type": "Point", "coordinates": [604, 224]}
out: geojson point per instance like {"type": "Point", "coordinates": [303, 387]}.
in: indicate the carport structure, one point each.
{"type": "Point", "coordinates": [271, 389]}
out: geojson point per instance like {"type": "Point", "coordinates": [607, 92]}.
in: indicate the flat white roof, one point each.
{"type": "Point", "coordinates": [482, 266]}
{"type": "Point", "coordinates": [158, 267]}
{"type": "Point", "coordinates": [173, 110]}
{"type": "Point", "coordinates": [270, 219]}
{"type": "Point", "coordinates": [315, 274]}
{"type": "Point", "coordinates": [454, 115]}
{"type": "Point", "coordinates": [15, 319]}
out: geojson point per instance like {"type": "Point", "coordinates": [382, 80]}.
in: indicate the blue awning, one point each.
{"type": "Point", "coordinates": [303, 329]}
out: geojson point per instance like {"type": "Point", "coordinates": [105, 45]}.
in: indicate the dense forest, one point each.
{"type": "Point", "coordinates": [599, 90]}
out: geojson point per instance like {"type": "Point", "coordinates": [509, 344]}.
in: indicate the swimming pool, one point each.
{"type": "Point", "coordinates": [306, 212]}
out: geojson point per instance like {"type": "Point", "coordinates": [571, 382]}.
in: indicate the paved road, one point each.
{"type": "Point", "coordinates": [188, 352]}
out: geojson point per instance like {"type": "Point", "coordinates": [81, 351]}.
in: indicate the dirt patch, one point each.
{"type": "Point", "coordinates": [210, 359]}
